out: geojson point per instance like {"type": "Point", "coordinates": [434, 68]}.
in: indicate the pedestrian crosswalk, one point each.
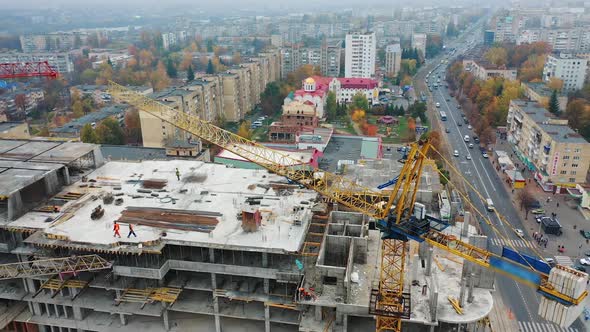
{"type": "Point", "coordinates": [543, 327]}
{"type": "Point", "coordinates": [511, 243]}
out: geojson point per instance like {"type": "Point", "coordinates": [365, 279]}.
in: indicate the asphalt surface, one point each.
{"type": "Point", "coordinates": [522, 301]}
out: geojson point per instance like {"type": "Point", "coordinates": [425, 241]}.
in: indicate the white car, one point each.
{"type": "Point", "coordinates": [456, 153]}
{"type": "Point", "coordinates": [519, 232]}
{"type": "Point", "coordinates": [468, 157]}
{"type": "Point", "coordinates": [485, 155]}
{"type": "Point", "coordinates": [585, 261]}
{"type": "Point", "coordinates": [469, 127]}
{"type": "Point", "coordinates": [470, 145]}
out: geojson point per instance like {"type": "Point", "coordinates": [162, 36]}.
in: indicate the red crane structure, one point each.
{"type": "Point", "coordinates": [27, 69]}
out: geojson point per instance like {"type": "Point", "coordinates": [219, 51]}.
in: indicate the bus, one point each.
{"type": "Point", "coordinates": [443, 115]}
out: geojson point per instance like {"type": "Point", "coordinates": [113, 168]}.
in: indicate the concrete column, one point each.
{"type": "Point", "coordinates": [432, 328]}
{"type": "Point", "coordinates": [216, 311]}
{"type": "Point", "coordinates": [165, 318]}
{"type": "Point", "coordinates": [78, 313]}
{"type": "Point", "coordinates": [470, 290]}
{"type": "Point", "coordinates": [73, 292]}
{"type": "Point", "coordinates": [117, 293]}
{"type": "Point", "coordinates": [66, 173]}
{"type": "Point", "coordinates": [264, 259]}
{"type": "Point", "coordinates": [65, 311]}
{"type": "Point", "coordinates": [462, 292]}
{"type": "Point", "coordinates": [465, 228]}
{"type": "Point", "coordinates": [318, 313]}
{"type": "Point", "coordinates": [433, 303]}
{"type": "Point", "coordinates": [266, 318]}
{"type": "Point", "coordinates": [429, 261]}
{"type": "Point", "coordinates": [266, 286]}
{"type": "Point", "coordinates": [334, 206]}
{"type": "Point", "coordinates": [345, 323]}
{"type": "Point", "coordinates": [211, 255]}
{"type": "Point", "coordinates": [15, 206]}
{"type": "Point", "coordinates": [56, 308]}
{"type": "Point", "coordinates": [123, 319]}
{"type": "Point", "coordinates": [30, 285]}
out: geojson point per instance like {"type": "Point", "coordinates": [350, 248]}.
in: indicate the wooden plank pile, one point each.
{"type": "Point", "coordinates": [188, 220]}
{"type": "Point", "coordinates": [154, 183]}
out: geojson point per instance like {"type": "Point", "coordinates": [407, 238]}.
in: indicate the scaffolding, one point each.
{"type": "Point", "coordinates": [54, 266]}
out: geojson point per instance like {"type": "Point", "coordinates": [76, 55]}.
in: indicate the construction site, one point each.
{"type": "Point", "coordinates": [182, 245]}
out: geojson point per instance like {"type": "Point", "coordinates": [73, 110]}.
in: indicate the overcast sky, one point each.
{"type": "Point", "coordinates": [204, 4]}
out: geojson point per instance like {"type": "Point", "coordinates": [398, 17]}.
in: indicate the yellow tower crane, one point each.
{"type": "Point", "coordinates": [393, 212]}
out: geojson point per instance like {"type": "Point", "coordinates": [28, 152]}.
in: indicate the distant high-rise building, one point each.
{"type": "Point", "coordinates": [326, 56]}
{"type": "Point", "coordinates": [51, 42]}
{"type": "Point", "coordinates": [488, 37]}
{"type": "Point", "coordinates": [393, 59]}
{"type": "Point", "coordinates": [168, 39]}
{"type": "Point", "coordinates": [419, 42]}
{"type": "Point", "coordinates": [569, 68]}
{"type": "Point", "coordinates": [361, 49]}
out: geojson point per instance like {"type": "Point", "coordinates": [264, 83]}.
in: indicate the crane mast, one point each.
{"type": "Point", "coordinates": [393, 212]}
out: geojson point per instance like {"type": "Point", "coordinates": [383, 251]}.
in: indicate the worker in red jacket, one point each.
{"type": "Point", "coordinates": [116, 228]}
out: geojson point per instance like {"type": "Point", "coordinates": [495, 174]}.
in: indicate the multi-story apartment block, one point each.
{"type": "Point", "coordinates": [419, 42]}
{"type": "Point", "coordinates": [98, 93]}
{"type": "Point", "coordinates": [484, 70]}
{"type": "Point", "coordinates": [360, 57]}
{"type": "Point", "coordinates": [231, 97]}
{"type": "Point", "coordinates": [62, 62]}
{"type": "Point", "coordinates": [16, 111]}
{"type": "Point", "coordinates": [326, 57]}
{"type": "Point", "coordinates": [168, 39]}
{"type": "Point", "coordinates": [505, 28]}
{"type": "Point", "coordinates": [564, 39]}
{"type": "Point", "coordinates": [156, 133]}
{"type": "Point", "coordinates": [51, 42]}
{"type": "Point", "coordinates": [558, 155]}
{"type": "Point", "coordinates": [541, 93]}
{"type": "Point", "coordinates": [571, 69]}
{"type": "Point", "coordinates": [393, 59]}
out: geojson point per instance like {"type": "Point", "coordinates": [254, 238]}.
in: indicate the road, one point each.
{"type": "Point", "coordinates": [479, 171]}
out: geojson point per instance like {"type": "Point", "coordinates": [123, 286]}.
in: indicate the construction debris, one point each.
{"type": "Point", "coordinates": [251, 221]}
{"type": "Point", "coordinates": [108, 198]}
{"type": "Point", "coordinates": [97, 213]}
{"type": "Point", "coordinates": [154, 183]}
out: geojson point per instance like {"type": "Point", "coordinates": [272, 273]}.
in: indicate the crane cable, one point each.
{"type": "Point", "coordinates": [485, 218]}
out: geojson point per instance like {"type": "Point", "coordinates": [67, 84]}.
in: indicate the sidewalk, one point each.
{"type": "Point", "coordinates": [569, 217]}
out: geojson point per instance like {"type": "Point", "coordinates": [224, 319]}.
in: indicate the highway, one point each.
{"type": "Point", "coordinates": [521, 300]}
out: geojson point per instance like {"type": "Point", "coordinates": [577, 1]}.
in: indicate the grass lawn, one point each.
{"type": "Point", "coordinates": [399, 132]}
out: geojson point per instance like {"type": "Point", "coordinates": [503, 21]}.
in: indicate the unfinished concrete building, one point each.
{"type": "Point", "coordinates": [216, 249]}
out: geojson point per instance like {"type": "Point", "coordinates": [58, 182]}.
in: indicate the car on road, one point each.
{"type": "Point", "coordinates": [519, 232]}
{"type": "Point", "coordinates": [540, 211]}
{"type": "Point", "coordinates": [459, 124]}
{"type": "Point", "coordinates": [539, 217]}
{"type": "Point", "coordinates": [447, 130]}
{"type": "Point", "coordinates": [466, 138]}
{"type": "Point", "coordinates": [468, 157]}
{"type": "Point", "coordinates": [469, 127]}
{"type": "Point", "coordinates": [456, 153]}
{"type": "Point", "coordinates": [470, 145]}
{"type": "Point", "coordinates": [550, 261]}
{"type": "Point", "coordinates": [448, 99]}
{"type": "Point", "coordinates": [459, 106]}
{"type": "Point", "coordinates": [535, 204]}
{"type": "Point", "coordinates": [585, 261]}
{"type": "Point", "coordinates": [579, 267]}
{"type": "Point", "coordinates": [437, 104]}
{"type": "Point", "coordinates": [485, 155]}
{"type": "Point", "coordinates": [585, 234]}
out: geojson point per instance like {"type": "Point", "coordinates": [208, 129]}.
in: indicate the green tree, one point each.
{"type": "Point", "coordinates": [210, 68]}
{"type": "Point", "coordinates": [88, 135]}
{"type": "Point", "coordinates": [109, 132]}
{"type": "Point", "coordinates": [331, 105]}
{"type": "Point", "coordinates": [554, 103]}
{"type": "Point", "coordinates": [87, 105]}
{"type": "Point", "coordinates": [171, 69]}
{"type": "Point", "coordinates": [78, 109]}
{"type": "Point", "coordinates": [244, 130]}
{"type": "Point", "coordinates": [190, 74]}
{"type": "Point", "coordinates": [359, 102]}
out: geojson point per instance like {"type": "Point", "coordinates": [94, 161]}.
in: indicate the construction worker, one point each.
{"type": "Point", "coordinates": [116, 228]}
{"type": "Point", "coordinates": [177, 174]}
{"type": "Point", "coordinates": [131, 231]}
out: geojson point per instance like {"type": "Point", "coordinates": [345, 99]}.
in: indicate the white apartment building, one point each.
{"type": "Point", "coordinates": [360, 56]}
{"type": "Point", "coordinates": [569, 68]}
{"type": "Point", "coordinates": [60, 61]}
{"type": "Point", "coordinates": [419, 42]}
{"type": "Point", "coordinates": [168, 39]}
{"type": "Point", "coordinates": [559, 39]}
{"type": "Point", "coordinates": [393, 59]}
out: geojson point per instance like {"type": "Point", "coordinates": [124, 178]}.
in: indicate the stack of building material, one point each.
{"type": "Point", "coordinates": [569, 282]}
{"type": "Point", "coordinates": [154, 183]}
{"type": "Point", "coordinates": [188, 220]}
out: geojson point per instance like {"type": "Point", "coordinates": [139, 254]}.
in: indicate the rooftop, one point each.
{"type": "Point", "coordinates": [541, 89]}
{"type": "Point", "coordinates": [43, 151]}
{"type": "Point", "coordinates": [553, 126]}
{"type": "Point", "coordinates": [90, 88]}
{"type": "Point", "coordinates": [344, 147]}
{"type": "Point", "coordinates": [208, 189]}
{"type": "Point", "coordinates": [76, 125]}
